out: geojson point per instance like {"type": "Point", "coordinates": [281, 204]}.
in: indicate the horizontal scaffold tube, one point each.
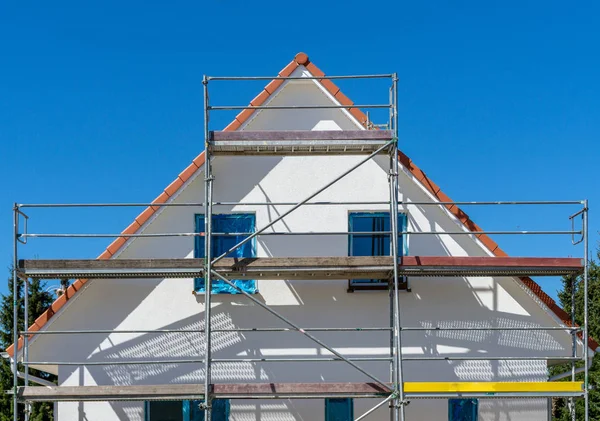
{"type": "Point", "coordinates": [236, 234]}
{"type": "Point", "coordinates": [200, 204]}
{"type": "Point", "coordinates": [287, 329]}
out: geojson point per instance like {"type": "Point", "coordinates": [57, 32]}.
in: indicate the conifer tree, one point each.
{"type": "Point", "coordinates": [38, 301]}
{"type": "Point", "coordinates": [560, 410]}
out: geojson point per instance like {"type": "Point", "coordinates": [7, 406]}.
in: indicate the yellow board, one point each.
{"type": "Point", "coordinates": [491, 387]}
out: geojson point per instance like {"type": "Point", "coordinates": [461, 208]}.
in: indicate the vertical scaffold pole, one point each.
{"type": "Point", "coordinates": [208, 200]}
{"type": "Point", "coordinates": [399, 402]}
{"type": "Point", "coordinates": [26, 340]}
{"type": "Point", "coordinates": [392, 337]}
{"type": "Point", "coordinates": [391, 291]}
{"type": "Point", "coordinates": [585, 310]}
{"type": "Point", "coordinates": [571, 402]}
{"type": "Point", "coordinates": [15, 315]}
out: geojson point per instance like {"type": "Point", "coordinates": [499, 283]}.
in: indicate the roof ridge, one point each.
{"type": "Point", "coordinates": [300, 59]}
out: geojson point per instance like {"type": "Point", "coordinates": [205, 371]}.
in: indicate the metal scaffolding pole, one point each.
{"type": "Point", "coordinates": [208, 178]}
{"type": "Point", "coordinates": [200, 204]}
{"type": "Point", "coordinates": [399, 401]}
{"type": "Point", "coordinates": [300, 359]}
{"type": "Point", "coordinates": [269, 78]}
{"type": "Point", "coordinates": [585, 311]}
{"type": "Point", "coordinates": [26, 339]}
{"type": "Point", "coordinates": [15, 314]}
{"type": "Point", "coordinates": [571, 402]}
{"type": "Point", "coordinates": [391, 291]}
{"type": "Point", "coordinates": [392, 341]}
{"type": "Point", "coordinates": [249, 329]}
{"type": "Point", "coordinates": [234, 234]}
{"type": "Point", "coordinates": [295, 107]}
{"type": "Point", "coordinates": [212, 360]}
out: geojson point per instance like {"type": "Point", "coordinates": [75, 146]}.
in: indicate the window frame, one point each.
{"type": "Point", "coordinates": [147, 411]}
{"type": "Point", "coordinates": [197, 239]}
{"type": "Point", "coordinates": [353, 285]}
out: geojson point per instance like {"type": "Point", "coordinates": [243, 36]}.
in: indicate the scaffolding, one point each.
{"type": "Point", "coordinates": [395, 269]}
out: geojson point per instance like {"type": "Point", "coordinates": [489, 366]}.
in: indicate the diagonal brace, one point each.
{"type": "Point", "coordinates": [299, 329]}
{"type": "Point", "coordinates": [283, 215]}
{"type": "Point", "coordinates": [380, 404]}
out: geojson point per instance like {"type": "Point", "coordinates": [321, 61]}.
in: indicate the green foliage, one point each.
{"type": "Point", "coordinates": [6, 313]}
{"type": "Point", "coordinates": [38, 301]}
{"type": "Point", "coordinates": [560, 411]}
{"type": "Point", "coordinates": [5, 384]}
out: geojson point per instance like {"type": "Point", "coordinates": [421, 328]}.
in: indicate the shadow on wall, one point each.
{"type": "Point", "coordinates": [123, 297]}
{"type": "Point", "coordinates": [80, 347]}
{"type": "Point", "coordinates": [234, 178]}
{"type": "Point", "coordinates": [322, 309]}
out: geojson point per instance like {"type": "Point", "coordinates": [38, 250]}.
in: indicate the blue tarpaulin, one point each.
{"type": "Point", "coordinates": [230, 223]}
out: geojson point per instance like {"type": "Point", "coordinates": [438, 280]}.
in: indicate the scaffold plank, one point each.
{"type": "Point", "coordinates": [488, 266]}
{"type": "Point", "coordinates": [298, 390]}
{"type": "Point", "coordinates": [492, 387]}
{"type": "Point", "coordinates": [244, 268]}
{"type": "Point", "coordinates": [303, 268]}
{"type": "Point", "coordinates": [110, 393]}
{"type": "Point", "coordinates": [299, 142]}
{"type": "Point", "coordinates": [322, 135]}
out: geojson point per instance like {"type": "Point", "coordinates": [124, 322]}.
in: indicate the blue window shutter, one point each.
{"type": "Point", "coordinates": [199, 250]}
{"type": "Point", "coordinates": [462, 409]}
{"type": "Point", "coordinates": [186, 408]}
{"type": "Point", "coordinates": [192, 411]}
{"type": "Point", "coordinates": [339, 409]}
{"type": "Point", "coordinates": [402, 227]}
{"type": "Point", "coordinates": [227, 223]}
{"type": "Point", "coordinates": [220, 409]}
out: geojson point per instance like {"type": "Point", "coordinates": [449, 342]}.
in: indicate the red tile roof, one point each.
{"type": "Point", "coordinates": [301, 59]}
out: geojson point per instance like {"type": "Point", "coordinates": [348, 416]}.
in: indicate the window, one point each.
{"type": "Point", "coordinates": [163, 411]}
{"type": "Point", "coordinates": [462, 409]}
{"type": "Point", "coordinates": [372, 244]}
{"type": "Point", "coordinates": [184, 410]}
{"type": "Point", "coordinates": [339, 409]}
{"type": "Point", "coordinates": [241, 223]}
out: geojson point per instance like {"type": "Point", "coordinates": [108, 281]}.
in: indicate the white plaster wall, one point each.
{"type": "Point", "coordinates": [170, 304]}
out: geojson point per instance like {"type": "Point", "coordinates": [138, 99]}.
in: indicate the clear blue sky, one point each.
{"type": "Point", "coordinates": [102, 102]}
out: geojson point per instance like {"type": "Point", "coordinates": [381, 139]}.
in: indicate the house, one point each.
{"type": "Point", "coordinates": [171, 310]}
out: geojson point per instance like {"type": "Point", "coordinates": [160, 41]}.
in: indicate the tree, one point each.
{"type": "Point", "coordinates": [38, 301]}
{"type": "Point", "coordinates": [560, 409]}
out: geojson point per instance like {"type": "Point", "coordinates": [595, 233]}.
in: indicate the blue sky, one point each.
{"type": "Point", "coordinates": [102, 101]}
